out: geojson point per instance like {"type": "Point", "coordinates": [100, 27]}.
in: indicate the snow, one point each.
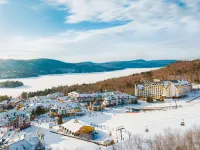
{"type": "Point", "coordinates": [48, 81]}
{"type": "Point", "coordinates": [177, 83]}
{"type": "Point", "coordinates": [156, 121]}
{"type": "Point", "coordinates": [19, 140]}
{"type": "Point", "coordinates": [134, 123]}
{"type": "Point", "coordinates": [58, 142]}
{"type": "Point", "coordinates": [196, 86]}
{"type": "Point", "coordinates": [4, 102]}
{"type": "Point", "coordinates": [140, 86]}
{"type": "Point", "coordinates": [15, 100]}
{"type": "Point", "coordinates": [2, 131]}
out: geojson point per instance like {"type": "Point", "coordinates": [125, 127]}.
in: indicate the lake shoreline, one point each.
{"type": "Point", "coordinates": [60, 74]}
{"type": "Point", "coordinates": [48, 81]}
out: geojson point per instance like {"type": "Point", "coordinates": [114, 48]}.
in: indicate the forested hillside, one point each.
{"type": "Point", "coordinates": [188, 70]}
{"type": "Point", "coordinates": [32, 68]}
{"type": "Point", "coordinates": [10, 84]}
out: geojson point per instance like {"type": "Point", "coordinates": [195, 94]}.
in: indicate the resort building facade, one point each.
{"type": "Point", "coordinates": [163, 89]}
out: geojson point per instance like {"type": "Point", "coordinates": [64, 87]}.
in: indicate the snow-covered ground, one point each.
{"type": "Point", "coordinates": [135, 123]}
{"type": "Point", "coordinates": [48, 81]}
{"type": "Point", "coordinates": [59, 142]}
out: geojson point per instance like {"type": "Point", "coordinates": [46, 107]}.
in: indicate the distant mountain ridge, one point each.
{"type": "Point", "coordinates": [10, 68]}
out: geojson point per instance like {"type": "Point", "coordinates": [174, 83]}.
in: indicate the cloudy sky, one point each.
{"type": "Point", "coordinates": [100, 30]}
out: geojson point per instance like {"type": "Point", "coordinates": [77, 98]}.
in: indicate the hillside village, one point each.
{"type": "Point", "coordinates": [76, 115]}
{"type": "Point", "coordinates": [99, 75]}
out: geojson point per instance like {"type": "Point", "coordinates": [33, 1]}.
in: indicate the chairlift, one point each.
{"type": "Point", "coordinates": [183, 123]}
{"type": "Point", "coordinates": [146, 130]}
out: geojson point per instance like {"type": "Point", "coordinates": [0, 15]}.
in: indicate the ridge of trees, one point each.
{"type": "Point", "coordinates": [187, 70]}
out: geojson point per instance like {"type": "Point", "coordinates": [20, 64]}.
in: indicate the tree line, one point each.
{"type": "Point", "coordinates": [11, 84]}
{"type": "Point", "coordinates": [187, 70]}
{"type": "Point", "coordinates": [5, 97]}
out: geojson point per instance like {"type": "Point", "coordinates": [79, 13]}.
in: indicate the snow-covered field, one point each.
{"type": "Point", "coordinates": [48, 81]}
{"type": "Point", "coordinates": [156, 122]}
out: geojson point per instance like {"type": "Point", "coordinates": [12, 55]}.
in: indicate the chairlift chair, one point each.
{"type": "Point", "coordinates": [183, 123]}
{"type": "Point", "coordinates": [146, 130]}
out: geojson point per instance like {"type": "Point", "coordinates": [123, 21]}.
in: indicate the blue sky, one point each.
{"type": "Point", "coordinates": [99, 30]}
{"type": "Point", "coordinates": [37, 18]}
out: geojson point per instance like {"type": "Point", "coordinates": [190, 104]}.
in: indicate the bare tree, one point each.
{"type": "Point", "coordinates": [169, 140]}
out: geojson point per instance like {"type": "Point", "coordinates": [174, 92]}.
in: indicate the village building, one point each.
{"type": "Point", "coordinates": [163, 89]}
{"type": "Point", "coordinates": [83, 97]}
{"type": "Point", "coordinates": [55, 95]}
{"type": "Point", "coordinates": [78, 128]}
{"type": "Point", "coordinates": [110, 101]}
{"type": "Point", "coordinates": [29, 142]}
{"type": "Point", "coordinates": [67, 108]}
{"type": "Point", "coordinates": [14, 101]}
{"type": "Point", "coordinates": [96, 106]}
{"type": "Point", "coordinates": [118, 98]}
{"type": "Point", "coordinates": [4, 105]}
{"type": "Point", "coordinates": [14, 119]}
{"type": "Point", "coordinates": [7, 104]}
{"type": "Point", "coordinates": [96, 101]}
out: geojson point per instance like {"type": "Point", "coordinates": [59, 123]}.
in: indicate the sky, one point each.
{"type": "Point", "coordinates": [100, 30]}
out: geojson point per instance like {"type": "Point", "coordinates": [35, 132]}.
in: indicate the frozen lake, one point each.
{"type": "Point", "coordinates": [48, 81]}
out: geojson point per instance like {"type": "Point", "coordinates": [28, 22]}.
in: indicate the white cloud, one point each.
{"type": "Point", "coordinates": [130, 41]}
{"type": "Point", "coordinates": [131, 10]}
{"type": "Point", "coordinates": [157, 29]}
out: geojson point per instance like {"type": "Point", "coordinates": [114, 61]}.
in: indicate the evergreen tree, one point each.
{"type": "Point", "coordinates": [60, 120]}
{"type": "Point", "coordinates": [39, 110]}
{"type": "Point", "coordinates": [150, 99]}
{"type": "Point", "coordinates": [4, 97]}
{"type": "Point", "coordinates": [33, 114]}
{"type": "Point", "coordinates": [24, 95]}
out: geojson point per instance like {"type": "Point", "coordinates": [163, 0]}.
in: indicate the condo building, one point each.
{"type": "Point", "coordinates": [163, 89]}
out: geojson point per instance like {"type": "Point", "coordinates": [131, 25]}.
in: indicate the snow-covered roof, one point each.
{"type": "Point", "coordinates": [108, 140]}
{"type": "Point", "coordinates": [2, 132]}
{"type": "Point", "coordinates": [183, 82]}
{"type": "Point", "coordinates": [86, 95]}
{"type": "Point", "coordinates": [23, 141]}
{"type": "Point", "coordinates": [131, 96]}
{"type": "Point", "coordinates": [55, 95]}
{"type": "Point", "coordinates": [68, 104]}
{"type": "Point", "coordinates": [63, 98]}
{"type": "Point", "coordinates": [176, 82]}
{"type": "Point", "coordinates": [74, 125]}
{"type": "Point", "coordinates": [140, 86]}
{"type": "Point", "coordinates": [196, 86]}
{"type": "Point", "coordinates": [73, 94]}
{"type": "Point", "coordinates": [5, 102]}
{"type": "Point", "coordinates": [15, 100]}
{"type": "Point", "coordinates": [5, 117]}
